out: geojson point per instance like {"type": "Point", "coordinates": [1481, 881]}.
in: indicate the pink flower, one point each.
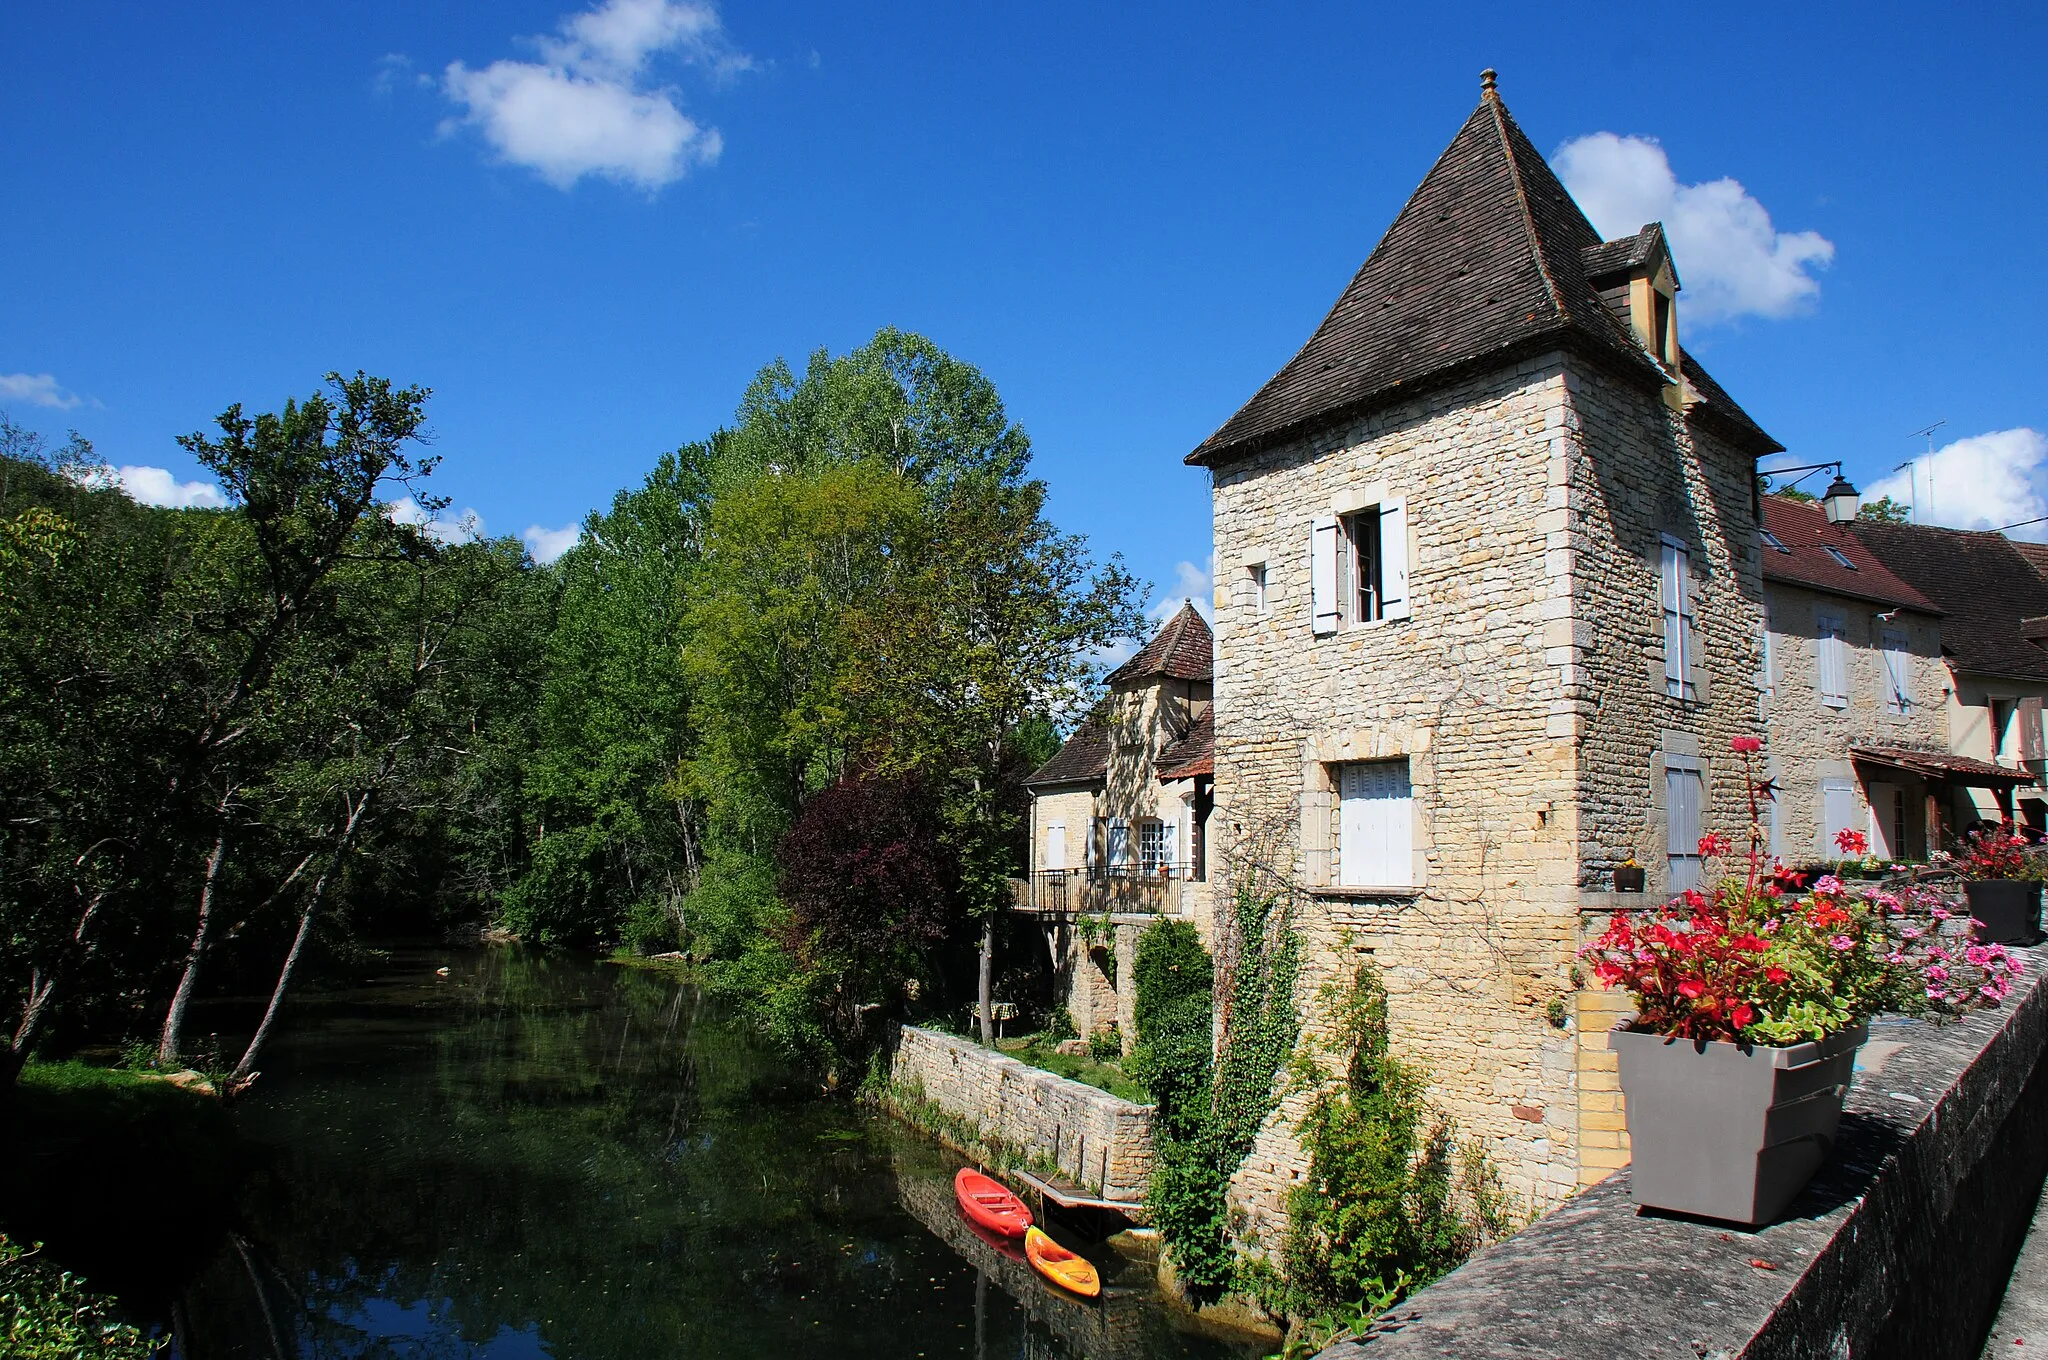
{"type": "Point", "coordinates": [1841, 944]}
{"type": "Point", "coordinates": [1937, 972]}
{"type": "Point", "coordinates": [1912, 932]}
{"type": "Point", "coordinates": [1990, 992]}
{"type": "Point", "coordinates": [1746, 746]}
{"type": "Point", "coordinates": [1977, 955]}
{"type": "Point", "coordinates": [1941, 913]}
{"type": "Point", "coordinates": [1828, 886]}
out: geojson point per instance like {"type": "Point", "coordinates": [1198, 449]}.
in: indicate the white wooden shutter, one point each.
{"type": "Point", "coordinates": [1838, 814]}
{"type": "Point", "coordinates": [1675, 610]}
{"type": "Point", "coordinates": [1119, 843]}
{"type": "Point", "coordinates": [1899, 694]}
{"type": "Point", "coordinates": [1394, 560]}
{"type": "Point", "coordinates": [1828, 644]}
{"type": "Point", "coordinates": [1376, 830]}
{"type": "Point", "coordinates": [1322, 575]}
{"type": "Point", "coordinates": [1055, 846]}
{"type": "Point", "coordinates": [1088, 843]}
{"type": "Point", "coordinates": [1682, 825]}
{"type": "Point", "coordinates": [1169, 843]}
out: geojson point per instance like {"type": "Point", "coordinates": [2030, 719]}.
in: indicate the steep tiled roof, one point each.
{"type": "Point", "coordinates": [1485, 264]}
{"type": "Point", "coordinates": [1184, 649]}
{"type": "Point", "coordinates": [1085, 756]}
{"type": "Point", "coordinates": [1982, 584]}
{"type": "Point", "coordinates": [2035, 553]}
{"type": "Point", "coordinates": [1806, 534]}
{"type": "Point", "coordinates": [1623, 254]}
{"type": "Point", "coordinates": [1194, 754]}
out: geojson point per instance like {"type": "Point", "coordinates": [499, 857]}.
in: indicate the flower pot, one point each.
{"type": "Point", "coordinates": [2006, 910]}
{"type": "Point", "coordinates": [1730, 1131]}
{"type": "Point", "coordinates": [1628, 878]}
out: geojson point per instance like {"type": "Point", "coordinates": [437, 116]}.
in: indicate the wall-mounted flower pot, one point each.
{"type": "Point", "coordinates": [2006, 910]}
{"type": "Point", "coordinates": [1628, 878]}
{"type": "Point", "coordinates": [1730, 1131]}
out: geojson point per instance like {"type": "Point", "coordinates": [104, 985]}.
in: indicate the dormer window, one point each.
{"type": "Point", "coordinates": [1663, 331]}
{"type": "Point", "coordinates": [1841, 558]}
{"type": "Point", "coordinates": [1771, 540]}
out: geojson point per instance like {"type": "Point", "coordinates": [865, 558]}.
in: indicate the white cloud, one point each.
{"type": "Point", "coordinates": [587, 107]}
{"type": "Point", "coordinates": [1731, 261]}
{"type": "Point", "coordinates": [465, 527]}
{"type": "Point", "coordinates": [1190, 582]}
{"type": "Point", "coordinates": [156, 486]}
{"type": "Point", "coordinates": [40, 389]}
{"type": "Point", "coordinates": [1984, 481]}
{"type": "Point", "coordinates": [548, 544]}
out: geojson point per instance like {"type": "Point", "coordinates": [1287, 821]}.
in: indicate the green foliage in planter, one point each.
{"type": "Point", "coordinates": [47, 1314]}
{"type": "Point", "coordinates": [1390, 1203]}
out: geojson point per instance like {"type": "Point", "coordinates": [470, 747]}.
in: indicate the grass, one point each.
{"type": "Point", "coordinates": [1101, 1075]}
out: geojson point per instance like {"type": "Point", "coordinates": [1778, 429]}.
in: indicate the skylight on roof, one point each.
{"type": "Point", "coordinates": [1840, 557]}
{"type": "Point", "coordinates": [1771, 540]}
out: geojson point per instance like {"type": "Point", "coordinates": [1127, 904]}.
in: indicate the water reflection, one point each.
{"type": "Point", "coordinates": [539, 1156]}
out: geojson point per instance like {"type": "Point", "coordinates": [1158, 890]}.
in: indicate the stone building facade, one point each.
{"type": "Point", "coordinates": [1488, 613]}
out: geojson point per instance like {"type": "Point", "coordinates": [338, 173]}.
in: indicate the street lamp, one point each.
{"type": "Point", "coordinates": [1841, 501]}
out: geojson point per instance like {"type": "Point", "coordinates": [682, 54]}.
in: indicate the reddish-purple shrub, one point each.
{"type": "Point", "coordinates": [866, 877]}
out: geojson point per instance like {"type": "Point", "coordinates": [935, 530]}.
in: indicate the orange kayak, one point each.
{"type": "Point", "coordinates": [989, 1204]}
{"type": "Point", "coordinates": [1061, 1266]}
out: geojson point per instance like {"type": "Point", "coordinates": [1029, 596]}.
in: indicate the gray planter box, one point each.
{"type": "Point", "coordinates": [2008, 909]}
{"type": "Point", "coordinates": [1730, 1131]}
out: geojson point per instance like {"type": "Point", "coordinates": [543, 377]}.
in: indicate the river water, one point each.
{"type": "Point", "coordinates": [539, 1155]}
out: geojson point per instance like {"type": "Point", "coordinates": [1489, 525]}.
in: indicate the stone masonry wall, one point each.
{"type": "Point", "coordinates": [1640, 471]}
{"type": "Point", "coordinates": [1468, 690]}
{"type": "Point", "coordinates": [1096, 1139]}
{"type": "Point", "coordinates": [1810, 741]}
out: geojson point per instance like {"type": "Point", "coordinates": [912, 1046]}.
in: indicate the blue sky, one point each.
{"type": "Point", "coordinates": [586, 226]}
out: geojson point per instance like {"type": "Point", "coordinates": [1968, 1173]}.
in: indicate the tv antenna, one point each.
{"type": "Point", "coordinates": [1928, 431]}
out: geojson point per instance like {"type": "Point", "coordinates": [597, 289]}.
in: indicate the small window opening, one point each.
{"type": "Point", "coordinates": [1256, 573]}
{"type": "Point", "coordinates": [1840, 557]}
{"type": "Point", "coordinates": [1660, 312]}
{"type": "Point", "coordinates": [1771, 541]}
{"type": "Point", "coordinates": [1363, 598]}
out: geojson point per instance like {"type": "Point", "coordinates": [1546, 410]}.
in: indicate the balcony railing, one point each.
{"type": "Point", "coordinates": [1098, 890]}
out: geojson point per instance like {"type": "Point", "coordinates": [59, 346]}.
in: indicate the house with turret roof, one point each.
{"type": "Point", "coordinates": [1489, 611]}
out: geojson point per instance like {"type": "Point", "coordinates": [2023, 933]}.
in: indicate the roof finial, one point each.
{"type": "Point", "coordinates": [1486, 83]}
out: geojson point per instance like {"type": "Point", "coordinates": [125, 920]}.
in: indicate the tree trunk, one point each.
{"type": "Point", "coordinates": [40, 990]}
{"type": "Point", "coordinates": [167, 1048]}
{"type": "Point", "coordinates": [245, 1070]}
{"type": "Point", "coordinates": [984, 1007]}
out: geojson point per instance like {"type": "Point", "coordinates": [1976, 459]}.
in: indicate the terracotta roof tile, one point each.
{"type": "Point", "coordinates": [1485, 264]}
{"type": "Point", "coordinates": [1194, 754]}
{"type": "Point", "coordinates": [1183, 649]}
{"type": "Point", "coordinates": [1804, 561]}
{"type": "Point", "coordinates": [1983, 585]}
{"type": "Point", "coordinates": [1084, 757]}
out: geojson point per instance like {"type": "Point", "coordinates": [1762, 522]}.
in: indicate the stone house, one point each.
{"type": "Point", "coordinates": [1119, 823]}
{"type": "Point", "coordinates": [1994, 603]}
{"type": "Point", "coordinates": [1852, 691]}
{"type": "Point", "coordinates": [1488, 614]}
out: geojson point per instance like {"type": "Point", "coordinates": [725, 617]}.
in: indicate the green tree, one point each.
{"type": "Point", "coordinates": [1885, 510]}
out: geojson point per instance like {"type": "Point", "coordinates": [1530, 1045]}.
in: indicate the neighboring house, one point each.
{"type": "Point", "coordinates": [1991, 593]}
{"type": "Point", "coordinates": [1854, 695]}
{"type": "Point", "coordinates": [1488, 615]}
{"type": "Point", "coordinates": [1120, 815]}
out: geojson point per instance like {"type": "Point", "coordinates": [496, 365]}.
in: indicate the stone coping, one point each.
{"type": "Point", "coordinates": [1396, 893]}
{"type": "Point", "coordinates": [1901, 1246]}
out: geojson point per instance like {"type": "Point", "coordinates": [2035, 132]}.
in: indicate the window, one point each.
{"type": "Point", "coordinates": [1661, 319]}
{"type": "Point", "coordinates": [1771, 540]}
{"type": "Point", "coordinates": [1831, 653]}
{"type": "Point", "coordinates": [1376, 824]}
{"type": "Point", "coordinates": [1678, 633]}
{"type": "Point", "coordinates": [1256, 575]}
{"type": "Point", "coordinates": [1358, 567]}
{"type": "Point", "coordinates": [1898, 683]}
{"type": "Point", "coordinates": [1841, 558]}
{"type": "Point", "coordinates": [1155, 845]}
{"type": "Point", "coordinates": [1683, 790]}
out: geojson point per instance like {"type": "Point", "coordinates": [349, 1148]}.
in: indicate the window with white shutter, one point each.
{"type": "Point", "coordinates": [1839, 813]}
{"type": "Point", "coordinates": [1394, 560]}
{"type": "Point", "coordinates": [1368, 571]}
{"type": "Point", "coordinates": [1683, 799]}
{"type": "Point", "coordinates": [1898, 682]}
{"type": "Point", "coordinates": [1831, 651]}
{"type": "Point", "coordinates": [1119, 843]}
{"type": "Point", "coordinates": [1676, 588]}
{"type": "Point", "coordinates": [1055, 846]}
{"type": "Point", "coordinates": [1376, 824]}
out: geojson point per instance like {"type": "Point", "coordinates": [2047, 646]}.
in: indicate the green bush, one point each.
{"type": "Point", "coordinates": [48, 1314]}
{"type": "Point", "coordinates": [1172, 969]}
{"type": "Point", "coordinates": [1106, 1044]}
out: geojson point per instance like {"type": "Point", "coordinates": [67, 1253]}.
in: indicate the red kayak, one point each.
{"type": "Point", "coordinates": [990, 1204]}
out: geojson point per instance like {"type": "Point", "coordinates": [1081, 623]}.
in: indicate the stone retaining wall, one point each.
{"type": "Point", "coordinates": [1901, 1247]}
{"type": "Point", "coordinates": [1096, 1139]}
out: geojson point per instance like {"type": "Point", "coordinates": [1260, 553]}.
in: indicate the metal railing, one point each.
{"type": "Point", "coordinates": [1099, 889]}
